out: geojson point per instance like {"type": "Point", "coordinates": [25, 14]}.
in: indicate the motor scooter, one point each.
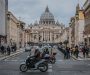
{"type": "Point", "coordinates": [32, 64]}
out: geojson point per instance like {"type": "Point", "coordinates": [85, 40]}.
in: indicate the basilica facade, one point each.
{"type": "Point", "coordinates": [47, 30]}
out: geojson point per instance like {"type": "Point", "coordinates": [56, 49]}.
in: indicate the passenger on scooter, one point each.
{"type": "Point", "coordinates": [54, 51]}
{"type": "Point", "coordinates": [35, 58]}
{"type": "Point", "coordinates": [46, 54]}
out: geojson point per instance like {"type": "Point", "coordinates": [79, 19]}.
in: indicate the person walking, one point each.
{"type": "Point", "coordinates": [76, 51]}
{"type": "Point", "coordinates": [8, 50]}
{"type": "Point", "coordinates": [67, 53]}
{"type": "Point", "coordinates": [85, 51]}
{"type": "Point", "coordinates": [71, 51]}
{"type": "Point", "coordinates": [2, 49]}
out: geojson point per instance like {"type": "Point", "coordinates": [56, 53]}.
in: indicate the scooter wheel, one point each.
{"type": "Point", "coordinates": [23, 68]}
{"type": "Point", "coordinates": [43, 67]}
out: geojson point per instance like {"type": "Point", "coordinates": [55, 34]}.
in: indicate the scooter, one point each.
{"type": "Point", "coordinates": [50, 59]}
{"type": "Point", "coordinates": [30, 64]}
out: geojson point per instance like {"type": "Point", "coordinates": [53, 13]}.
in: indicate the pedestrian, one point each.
{"type": "Point", "coordinates": [2, 49]}
{"type": "Point", "coordinates": [76, 51]}
{"type": "Point", "coordinates": [85, 51]}
{"type": "Point", "coordinates": [15, 48]}
{"type": "Point", "coordinates": [12, 47]}
{"type": "Point", "coordinates": [71, 51]}
{"type": "Point", "coordinates": [67, 53]}
{"type": "Point", "coordinates": [88, 50]}
{"type": "Point", "coordinates": [8, 50]}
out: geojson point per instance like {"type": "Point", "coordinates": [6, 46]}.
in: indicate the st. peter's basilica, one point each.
{"type": "Point", "coordinates": [46, 31]}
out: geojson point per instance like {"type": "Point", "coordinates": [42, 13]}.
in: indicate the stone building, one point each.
{"type": "Point", "coordinates": [47, 30]}
{"type": "Point", "coordinates": [72, 32]}
{"type": "Point", "coordinates": [27, 34]}
{"type": "Point", "coordinates": [79, 26]}
{"type": "Point", "coordinates": [76, 28]}
{"type": "Point", "coordinates": [64, 35]}
{"type": "Point", "coordinates": [87, 22]}
{"type": "Point", "coordinates": [3, 23]}
{"type": "Point", "coordinates": [15, 31]}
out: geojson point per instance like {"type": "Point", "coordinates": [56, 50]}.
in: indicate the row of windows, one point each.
{"type": "Point", "coordinates": [47, 22]}
{"type": "Point", "coordinates": [35, 37]}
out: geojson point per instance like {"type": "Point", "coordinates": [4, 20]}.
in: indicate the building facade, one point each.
{"type": "Point", "coordinates": [72, 32]}
{"type": "Point", "coordinates": [87, 22]}
{"type": "Point", "coordinates": [47, 30]}
{"type": "Point", "coordinates": [12, 28]}
{"type": "Point", "coordinates": [65, 35]}
{"type": "Point", "coordinates": [3, 23]}
{"type": "Point", "coordinates": [21, 31]}
{"type": "Point", "coordinates": [15, 31]}
{"type": "Point", "coordinates": [76, 28]}
{"type": "Point", "coordinates": [79, 26]}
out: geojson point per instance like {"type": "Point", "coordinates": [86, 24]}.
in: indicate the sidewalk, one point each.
{"type": "Point", "coordinates": [2, 57]}
{"type": "Point", "coordinates": [81, 57]}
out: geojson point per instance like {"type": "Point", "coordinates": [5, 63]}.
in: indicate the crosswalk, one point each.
{"type": "Point", "coordinates": [83, 59]}
{"type": "Point", "coordinates": [20, 61]}
{"type": "Point", "coordinates": [50, 66]}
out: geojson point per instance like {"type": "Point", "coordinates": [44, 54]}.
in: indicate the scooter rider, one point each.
{"type": "Point", "coordinates": [37, 54]}
{"type": "Point", "coordinates": [34, 63]}
{"type": "Point", "coordinates": [46, 54]}
{"type": "Point", "coordinates": [35, 58]}
{"type": "Point", "coordinates": [38, 57]}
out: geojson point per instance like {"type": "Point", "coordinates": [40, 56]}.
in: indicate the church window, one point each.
{"type": "Point", "coordinates": [40, 37]}
{"type": "Point", "coordinates": [57, 36]}
{"type": "Point", "coordinates": [44, 22]}
{"type": "Point", "coordinates": [35, 37]}
{"type": "Point", "coordinates": [49, 22]}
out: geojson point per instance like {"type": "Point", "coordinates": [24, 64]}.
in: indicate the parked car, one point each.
{"type": "Point", "coordinates": [28, 48]}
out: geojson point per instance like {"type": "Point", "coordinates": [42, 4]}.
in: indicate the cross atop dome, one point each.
{"type": "Point", "coordinates": [47, 9]}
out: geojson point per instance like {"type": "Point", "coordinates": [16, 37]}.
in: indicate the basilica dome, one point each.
{"type": "Point", "coordinates": [47, 17]}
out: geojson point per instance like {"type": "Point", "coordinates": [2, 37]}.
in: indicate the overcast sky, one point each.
{"type": "Point", "coordinates": [31, 10]}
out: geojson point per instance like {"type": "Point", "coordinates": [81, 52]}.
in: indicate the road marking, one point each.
{"type": "Point", "coordinates": [6, 60]}
{"type": "Point", "coordinates": [49, 65]}
{"type": "Point", "coordinates": [24, 60]}
{"type": "Point", "coordinates": [80, 59]}
{"type": "Point", "coordinates": [59, 60]}
{"type": "Point", "coordinates": [88, 64]}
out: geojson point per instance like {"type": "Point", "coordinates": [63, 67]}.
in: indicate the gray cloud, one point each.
{"type": "Point", "coordinates": [31, 10]}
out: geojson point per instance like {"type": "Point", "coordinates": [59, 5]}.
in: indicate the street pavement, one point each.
{"type": "Point", "coordinates": [80, 57]}
{"type": "Point", "coordinates": [4, 56]}
{"type": "Point", "coordinates": [10, 66]}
